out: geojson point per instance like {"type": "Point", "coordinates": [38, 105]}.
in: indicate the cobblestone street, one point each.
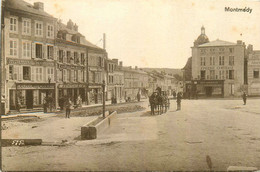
{"type": "Point", "coordinates": [225, 130]}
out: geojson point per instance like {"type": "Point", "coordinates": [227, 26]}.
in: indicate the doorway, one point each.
{"type": "Point", "coordinates": [208, 91]}
{"type": "Point", "coordinates": [29, 99]}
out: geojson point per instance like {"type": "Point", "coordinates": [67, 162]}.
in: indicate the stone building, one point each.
{"type": "Point", "coordinates": [135, 81]}
{"type": "Point", "coordinates": [253, 73]}
{"type": "Point", "coordinates": [28, 54]}
{"type": "Point", "coordinates": [218, 67]}
{"type": "Point", "coordinates": [43, 57]}
{"type": "Point", "coordinates": [115, 80]}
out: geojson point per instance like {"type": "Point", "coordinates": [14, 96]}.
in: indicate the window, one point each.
{"type": "Point", "coordinates": [221, 49]}
{"type": "Point", "coordinates": [221, 74]}
{"type": "Point", "coordinates": [82, 59]}
{"type": "Point", "coordinates": [72, 75]}
{"type": "Point", "coordinates": [231, 50]}
{"type": "Point", "coordinates": [50, 31]}
{"type": "Point", "coordinates": [231, 74]}
{"type": "Point", "coordinates": [38, 28]}
{"type": "Point", "coordinates": [38, 51]}
{"type": "Point", "coordinates": [39, 73]}
{"type": "Point", "coordinates": [221, 60]}
{"type": "Point", "coordinates": [68, 56]}
{"type": "Point", "coordinates": [76, 60]}
{"type": "Point", "coordinates": [50, 52]}
{"type": "Point", "coordinates": [202, 74]}
{"type": "Point", "coordinates": [50, 73]}
{"type": "Point", "coordinates": [13, 47]}
{"type": "Point", "coordinates": [26, 49]}
{"type": "Point", "coordinates": [68, 75]}
{"type": "Point", "coordinates": [231, 60]}
{"type": "Point", "coordinates": [256, 73]}
{"type": "Point", "coordinates": [63, 36]}
{"type": "Point", "coordinates": [227, 74]}
{"type": "Point", "coordinates": [26, 26]}
{"type": "Point", "coordinates": [212, 74]}
{"type": "Point", "coordinates": [60, 56]}
{"type": "Point", "coordinates": [13, 24]}
{"type": "Point", "coordinates": [100, 61]}
{"type": "Point", "coordinates": [203, 61]}
{"type": "Point", "coordinates": [26, 73]}
{"type": "Point", "coordinates": [212, 60]}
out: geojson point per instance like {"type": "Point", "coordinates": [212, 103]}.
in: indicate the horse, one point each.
{"type": "Point", "coordinates": [153, 102]}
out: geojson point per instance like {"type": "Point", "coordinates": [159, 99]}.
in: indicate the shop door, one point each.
{"type": "Point", "coordinates": [208, 91]}
{"type": "Point", "coordinates": [29, 99]}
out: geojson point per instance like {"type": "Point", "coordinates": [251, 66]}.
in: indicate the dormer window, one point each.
{"type": "Point", "coordinates": [75, 38]}
{"type": "Point", "coordinates": [63, 36]}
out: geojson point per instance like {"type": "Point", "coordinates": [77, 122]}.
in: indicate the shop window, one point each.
{"type": "Point", "coordinates": [256, 73]}
{"type": "Point", "coordinates": [26, 73]}
{"type": "Point", "coordinates": [39, 51]}
{"type": "Point", "coordinates": [231, 74]}
{"type": "Point", "coordinates": [50, 52]}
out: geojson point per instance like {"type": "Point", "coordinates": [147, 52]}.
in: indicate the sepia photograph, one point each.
{"type": "Point", "coordinates": [130, 85]}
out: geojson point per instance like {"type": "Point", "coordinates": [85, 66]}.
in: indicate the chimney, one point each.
{"type": "Point", "coordinates": [70, 24]}
{"type": "Point", "coordinates": [104, 41]}
{"type": "Point", "coordinates": [39, 6]}
{"type": "Point", "coordinates": [120, 63]}
{"type": "Point", "coordinates": [76, 27]}
{"type": "Point", "coordinates": [136, 67]}
{"type": "Point", "coordinates": [239, 42]}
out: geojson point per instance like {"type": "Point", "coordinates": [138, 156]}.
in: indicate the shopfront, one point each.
{"type": "Point", "coordinates": [72, 91]}
{"type": "Point", "coordinates": [30, 95]}
{"type": "Point", "coordinates": [205, 88]}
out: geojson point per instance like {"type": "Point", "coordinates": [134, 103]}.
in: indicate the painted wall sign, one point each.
{"type": "Point", "coordinates": [35, 86]}
{"type": "Point", "coordinates": [72, 86]}
{"type": "Point", "coordinates": [29, 62]}
{"type": "Point", "coordinates": [217, 68]}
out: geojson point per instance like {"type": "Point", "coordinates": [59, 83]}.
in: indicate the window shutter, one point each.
{"type": "Point", "coordinates": [45, 73]}
{"type": "Point", "coordinates": [33, 50]}
{"type": "Point", "coordinates": [33, 73]}
{"type": "Point", "coordinates": [63, 55]}
{"type": "Point", "coordinates": [16, 70]}
{"type": "Point", "coordinates": [55, 53]}
{"type": "Point", "coordinates": [7, 72]}
{"type": "Point", "coordinates": [44, 51]}
{"type": "Point", "coordinates": [20, 73]}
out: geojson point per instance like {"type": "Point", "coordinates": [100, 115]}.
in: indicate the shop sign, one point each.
{"type": "Point", "coordinates": [29, 62]}
{"type": "Point", "coordinates": [210, 82]}
{"type": "Point", "coordinates": [35, 86]}
{"type": "Point", "coordinates": [217, 68]}
{"type": "Point", "coordinates": [64, 66]}
{"type": "Point", "coordinates": [72, 86]}
{"type": "Point", "coordinates": [254, 63]}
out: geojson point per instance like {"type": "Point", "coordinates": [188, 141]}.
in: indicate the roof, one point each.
{"type": "Point", "coordinates": [188, 64]}
{"type": "Point", "coordinates": [24, 6]}
{"type": "Point", "coordinates": [217, 43]}
{"type": "Point", "coordinates": [83, 41]}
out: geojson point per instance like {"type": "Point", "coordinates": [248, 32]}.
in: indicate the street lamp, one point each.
{"type": "Point", "coordinates": [103, 89]}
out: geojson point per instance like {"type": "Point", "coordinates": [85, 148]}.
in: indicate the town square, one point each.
{"type": "Point", "coordinates": [130, 85]}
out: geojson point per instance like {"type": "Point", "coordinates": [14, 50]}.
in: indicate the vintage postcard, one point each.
{"type": "Point", "coordinates": [130, 85]}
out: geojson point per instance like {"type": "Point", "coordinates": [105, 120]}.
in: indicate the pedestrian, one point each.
{"type": "Point", "coordinates": [68, 108]}
{"type": "Point", "coordinates": [79, 101]}
{"type": "Point", "coordinates": [138, 97]}
{"type": "Point", "coordinates": [244, 96]}
{"type": "Point", "coordinates": [18, 104]}
{"type": "Point", "coordinates": [45, 104]}
{"type": "Point", "coordinates": [179, 97]}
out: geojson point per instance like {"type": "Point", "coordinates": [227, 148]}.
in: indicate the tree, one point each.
{"type": "Point", "coordinates": [178, 77]}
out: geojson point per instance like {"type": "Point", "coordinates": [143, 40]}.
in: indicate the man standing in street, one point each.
{"type": "Point", "coordinates": [244, 96]}
{"type": "Point", "coordinates": [179, 97]}
{"type": "Point", "coordinates": [68, 108]}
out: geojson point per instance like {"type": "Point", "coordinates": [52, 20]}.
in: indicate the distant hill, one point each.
{"type": "Point", "coordinates": [170, 71]}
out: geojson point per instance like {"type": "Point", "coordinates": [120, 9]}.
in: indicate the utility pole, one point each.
{"type": "Point", "coordinates": [104, 102]}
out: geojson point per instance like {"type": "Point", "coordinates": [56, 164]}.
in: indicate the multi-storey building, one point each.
{"type": "Point", "coordinates": [115, 80]}
{"type": "Point", "coordinates": [253, 73]}
{"type": "Point", "coordinates": [217, 67]}
{"type": "Point", "coordinates": [28, 56]}
{"type": "Point", "coordinates": [44, 58]}
{"type": "Point", "coordinates": [135, 81]}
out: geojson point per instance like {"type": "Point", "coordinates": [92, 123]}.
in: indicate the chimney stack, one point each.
{"type": "Point", "coordinates": [120, 63]}
{"type": "Point", "coordinates": [239, 42]}
{"type": "Point", "coordinates": [39, 6]}
{"type": "Point", "coordinates": [104, 41]}
{"type": "Point", "coordinates": [115, 60]}
{"type": "Point", "coordinates": [136, 67]}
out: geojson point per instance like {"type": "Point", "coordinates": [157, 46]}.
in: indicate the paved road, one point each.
{"type": "Point", "coordinates": [225, 130]}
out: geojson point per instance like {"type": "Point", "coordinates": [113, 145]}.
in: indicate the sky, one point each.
{"type": "Point", "coordinates": [157, 33]}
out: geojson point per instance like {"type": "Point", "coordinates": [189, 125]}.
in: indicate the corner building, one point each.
{"type": "Point", "coordinates": [217, 67]}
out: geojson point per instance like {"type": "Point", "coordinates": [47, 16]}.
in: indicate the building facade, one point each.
{"type": "Point", "coordinates": [218, 67]}
{"type": "Point", "coordinates": [253, 73]}
{"type": "Point", "coordinates": [28, 55]}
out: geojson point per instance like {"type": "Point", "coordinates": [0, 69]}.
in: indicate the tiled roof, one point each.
{"type": "Point", "coordinates": [217, 43]}
{"type": "Point", "coordinates": [24, 6]}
